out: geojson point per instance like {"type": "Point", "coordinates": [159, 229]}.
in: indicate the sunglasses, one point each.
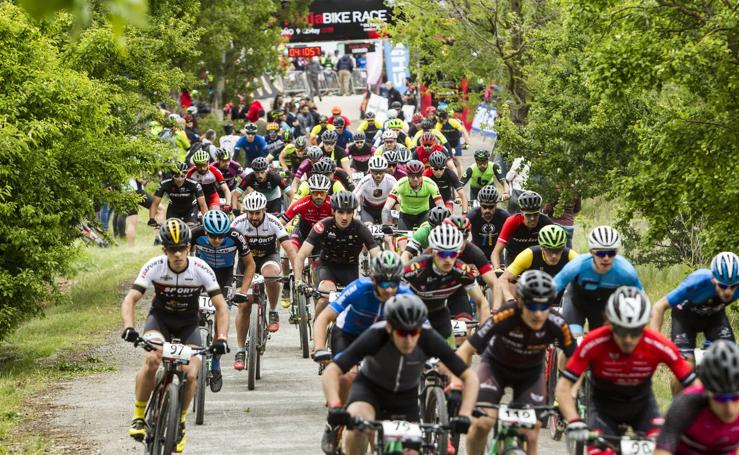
{"type": "Point", "coordinates": [251, 134]}
{"type": "Point", "coordinates": [407, 333]}
{"type": "Point", "coordinates": [624, 332]}
{"type": "Point", "coordinates": [531, 214]}
{"type": "Point", "coordinates": [179, 176]}
{"type": "Point", "coordinates": [553, 251]}
{"type": "Point", "coordinates": [447, 254]}
{"type": "Point", "coordinates": [417, 176]}
{"type": "Point", "coordinates": [176, 249]}
{"type": "Point", "coordinates": [389, 141]}
{"type": "Point", "coordinates": [384, 284]}
{"type": "Point", "coordinates": [319, 193]}
{"type": "Point", "coordinates": [537, 306]}
{"type": "Point", "coordinates": [606, 253]}
{"type": "Point", "coordinates": [725, 397]}
{"type": "Point", "coordinates": [726, 286]}
{"type": "Point", "coordinates": [378, 172]}
{"type": "Point", "coordinates": [439, 168]}
{"type": "Point", "coordinates": [329, 144]}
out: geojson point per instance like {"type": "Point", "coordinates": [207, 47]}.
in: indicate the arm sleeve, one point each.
{"type": "Point", "coordinates": [567, 342]}
{"type": "Point", "coordinates": [160, 191]}
{"type": "Point", "coordinates": [480, 339]}
{"type": "Point", "coordinates": [510, 225]}
{"type": "Point", "coordinates": [368, 343]}
{"type": "Point", "coordinates": [366, 237]}
{"type": "Point", "coordinates": [434, 345]}
{"type": "Point", "coordinates": [467, 176]}
{"type": "Point", "coordinates": [679, 294]}
{"type": "Point", "coordinates": [678, 365]}
{"type": "Point", "coordinates": [522, 262]}
{"type": "Point", "coordinates": [316, 233]}
{"type": "Point", "coordinates": [198, 190]}
{"type": "Point", "coordinates": [566, 275]}
{"type": "Point", "coordinates": [345, 297]}
{"type": "Point", "coordinates": [241, 244]}
{"type": "Point", "coordinates": [456, 183]}
{"type": "Point", "coordinates": [143, 280]}
{"type": "Point", "coordinates": [682, 413]}
{"type": "Point", "coordinates": [207, 278]}
{"type": "Point", "coordinates": [579, 362]}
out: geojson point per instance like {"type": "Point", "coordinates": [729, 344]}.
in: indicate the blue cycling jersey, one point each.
{"type": "Point", "coordinates": [358, 307]}
{"type": "Point", "coordinates": [698, 294]}
{"type": "Point", "coordinates": [253, 149]}
{"type": "Point", "coordinates": [223, 255]}
{"type": "Point", "coordinates": [591, 285]}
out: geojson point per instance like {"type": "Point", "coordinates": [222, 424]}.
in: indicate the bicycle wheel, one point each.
{"type": "Point", "coordinates": [200, 392]}
{"type": "Point", "coordinates": [303, 321]}
{"type": "Point", "coordinates": [253, 349]}
{"type": "Point", "coordinates": [554, 422]}
{"type": "Point", "coordinates": [435, 413]}
{"type": "Point", "coordinates": [168, 424]}
{"type": "Point", "coordinates": [261, 336]}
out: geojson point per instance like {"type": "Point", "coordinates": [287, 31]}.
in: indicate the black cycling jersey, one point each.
{"type": "Point", "coordinates": [472, 254]}
{"type": "Point", "coordinates": [434, 288]}
{"type": "Point", "coordinates": [485, 233]}
{"type": "Point", "coordinates": [340, 246]}
{"type": "Point", "coordinates": [181, 198]}
{"type": "Point", "coordinates": [274, 145]}
{"type": "Point", "coordinates": [451, 134]}
{"type": "Point", "coordinates": [537, 262]}
{"type": "Point", "coordinates": [448, 183]}
{"type": "Point", "coordinates": [360, 156]}
{"type": "Point", "coordinates": [385, 366]}
{"type": "Point", "coordinates": [517, 237]}
{"type": "Point", "coordinates": [268, 187]}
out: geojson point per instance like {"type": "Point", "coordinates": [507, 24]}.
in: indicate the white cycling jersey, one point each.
{"type": "Point", "coordinates": [372, 194]}
{"type": "Point", "coordinates": [262, 239]}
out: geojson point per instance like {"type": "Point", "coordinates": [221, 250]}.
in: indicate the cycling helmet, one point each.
{"type": "Point", "coordinates": [181, 168]}
{"type": "Point", "coordinates": [403, 154]}
{"type": "Point", "coordinates": [427, 138]}
{"type": "Point", "coordinates": [482, 155]}
{"type": "Point", "coordinates": [530, 201]}
{"type": "Point", "coordinates": [250, 128]}
{"type": "Point", "coordinates": [445, 237]}
{"type": "Point", "coordinates": [437, 160]}
{"type": "Point", "coordinates": [344, 200]}
{"type": "Point", "coordinates": [216, 222]}
{"type": "Point", "coordinates": [488, 195]}
{"type": "Point", "coordinates": [201, 157]}
{"type": "Point", "coordinates": [414, 167]}
{"type": "Point", "coordinates": [223, 154]}
{"type": "Point", "coordinates": [437, 215]}
{"type": "Point", "coordinates": [405, 312]}
{"type": "Point", "coordinates": [394, 124]}
{"type": "Point", "coordinates": [174, 232]}
{"type": "Point", "coordinates": [318, 182]}
{"type": "Point", "coordinates": [427, 124]}
{"type": "Point", "coordinates": [628, 307]}
{"type": "Point", "coordinates": [417, 118]}
{"type": "Point", "coordinates": [377, 163]}
{"type": "Point", "coordinates": [604, 238]}
{"type": "Point", "coordinates": [460, 222]}
{"type": "Point", "coordinates": [259, 164]}
{"type": "Point", "coordinates": [369, 115]}
{"type": "Point", "coordinates": [389, 134]}
{"type": "Point", "coordinates": [301, 142]}
{"type": "Point", "coordinates": [314, 153]}
{"type": "Point", "coordinates": [359, 136]}
{"type": "Point", "coordinates": [535, 286]}
{"type": "Point", "coordinates": [322, 119]}
{"type": "Point", "coordinates": [391, 156]}
{"type": "Point", "coordinates": [431, 110]}
{"type": "Point", "coordinates": [339, 122]}
{"type": "Point", "coordinates": [719, 370]}
{"type": "Point", "coordinates": [324, 166]}
{"type": "Point", "coordinates": [228, 128]}
{"type": "Point", "coordinates": [386, 266]}
{"type": "Point", "coordinates": [273, 127]}
{"type": "Point", "coordinates": [552, 237]}
{"type": "Point", "coordinates": [255, 201]}
{"type": "Point", "coordinates": [725, 268]}
{"type": "Point", "coordinates": [329, 137]}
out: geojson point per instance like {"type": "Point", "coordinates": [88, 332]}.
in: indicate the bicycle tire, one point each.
{"type": "Point", "coordinates": [151, 415]}
{"type": "Point", "coordinates": [435, 412]}
{"type": "Point", "coordinates": [168, 424]}
{"type": "Point", "coordinates": [261, 337]}
{"type": "Point", "coordinates": [555, 429]}
{"type": "Point", "coordinates": [303, 322]}
{"type": "Point", "coordinates": [252, 352]}
{"type": "Point", "coordinates": [200, 393]}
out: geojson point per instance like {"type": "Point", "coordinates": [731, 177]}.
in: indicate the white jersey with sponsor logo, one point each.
{"type": "Point", "coordinates": [262, 239]}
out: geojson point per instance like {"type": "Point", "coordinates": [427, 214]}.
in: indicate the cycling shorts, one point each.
{"type": "Point", "coordinates": [341, 274]}
{"type": "Point", "coordinates": [188, 216]}
{"type": "Point", "coordinates": [274, 206]}
{"type": "Point", "coordinates": [370, 214]}
{"type": "Point", "coordinates": [605, 416]}
{"type": "Point", "coordinates": [687, 324]}
{"type": "Point", "coordinates": [185, 329]}
{"type": "Point", "coordinates": [528, 384]}
{"type": "Point", "coordinates": [267, 258]}
{"type": "Point", "coordinates": [459, 304]}
{"type": "Point", "coordinates": [576, 313]}
{"type": "Point", "coordinates": [388, 405]}
{"type": "Point", "coordinates": [340, 340]}
{"type": "Point", "coordinates": [408, 222]}
{"type": "Point", "coordinates": [225, 277]}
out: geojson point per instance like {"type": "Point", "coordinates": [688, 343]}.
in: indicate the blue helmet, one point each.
{"type": "Point", "coordinates": [216, 222]}
{"type": "Point", "coordinates": [725, 268]}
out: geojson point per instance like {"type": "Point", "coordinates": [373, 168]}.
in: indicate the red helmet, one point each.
{"type": "Point", "coordinates": [417, 118]}
{"type": "Point", "coordinates": [415, 167]}
{"type": "Point", "coordinates": [430, 110]}
{"type": "Point", "coordinates": [428, 138]}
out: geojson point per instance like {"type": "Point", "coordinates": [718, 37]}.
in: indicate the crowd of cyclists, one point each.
{"type": "Point", "coordinates": [274, 205]}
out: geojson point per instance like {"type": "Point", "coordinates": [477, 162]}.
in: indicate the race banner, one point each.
{"type": "Point", "coordinates": [397, 59]}
{"type": "Point", "coordinates": [340, 20]}
{"type": "Point", "coordinates": [484, 121]}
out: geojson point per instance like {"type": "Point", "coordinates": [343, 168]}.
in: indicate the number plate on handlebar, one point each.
{"type": "Point", "coordinates": [397, 430]}
{"type": "Point", "coordinates": [176, 351]}
{"type": "Point", "coordinates": [376, 230]}
{"type": "Point", "coordinates": [517, 417]}
{"type": "Point", "coordinates": [459, 328]}
{"type": "Point", "coordinates": [206, 305]}
{"type": "Point", "coordinates": [637, 447]}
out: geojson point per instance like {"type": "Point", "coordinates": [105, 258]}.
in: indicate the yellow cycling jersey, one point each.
{"type": "Point", "coordinates": [526, 260]}
{"type": "Point", "coordinates": [454, 123]}
{"type": "Point", "coordinates": [303, 189]}
{"type": "Point", "coordinates": [439, 137]}
{"type": "Point", "coordinates": [317, 129]}
{"type": "Point", "coordinates": [365, 124]}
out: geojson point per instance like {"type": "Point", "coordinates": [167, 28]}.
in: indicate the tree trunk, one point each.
{"type": "Point", "coordinates": [218, 101]}
{"type": "Point", "coordinates": [516, 84]}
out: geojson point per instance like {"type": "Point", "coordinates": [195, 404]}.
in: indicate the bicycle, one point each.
{"type": "Point", "coordinates": [163, 410]}
{"type": "Point", "coordinates": [433, 404]}
{"type": "Point", "coordinates": [392, 437]}
{"type": "Point", "coordinates": [508, 440]}
{"type": "Point", "coordinates": [300, 309]}
{"type": "Point", "coordinates": [206, 315]}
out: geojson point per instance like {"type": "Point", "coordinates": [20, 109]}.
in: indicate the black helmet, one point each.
{"type": "Point", "coordinates": [427, 124]}
{"type": "Point", "coordinates": [223, 154]}
{"type": "Point", "coordinates": [437, 160]}
{"type": "Point", "coordinates": [387, 266]}
{"type": "Point", "coordinates": [250, 128]}
{"type": "Point", "coordinates": [369, 115]}
{"type": "Point", "coordinates": [344, 200]}
{"type": "Point", "coordinates": [719, 370]}
{"type": "Point", "coordinates": [405, 312]}
{"type": "Point", "coordinates": [530, 201]}
{"type": "Point", "coordinates": [535, 286]}
{"type": "Point", "coordinates": [259, 164]}
{"type": "Point", "coordinates": [396, 105]}
{"type": "Point", "coordinates": [181, 168]}
{"type": "Point", "coordinates": [359, 136]}
{"type": "Point", "coordinates": [482, 155]}
{"type": "Point", "coordinates": [461, 222]}
{"type": "Point", "coordinates": [488, 195]}
{"type": "Point", "coordinates": [339, 122]}
{"type": "Point", "coordinates": [228, 128]}
{"type": "Point", "coordinates": [324, 166]}
{"type": "Point", "coordinates": [437, 214]}
{"type": "Point", "coordinates": [329, 137]}
{"type": "Point", "coordinates": [174, 232]}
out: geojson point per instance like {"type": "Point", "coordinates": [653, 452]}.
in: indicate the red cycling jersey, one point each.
{"type": "Point", "coordinates": [309, 213]}
{"type": "Point", "coordinates": [625, 377]}
{"type": "Point", "coordinates": [423, 155]}
{"type": "Point", "coordinates": [210, 181]}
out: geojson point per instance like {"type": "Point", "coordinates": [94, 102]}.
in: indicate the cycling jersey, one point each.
{"type": "Point", "coordinates": [532, 258]}
{"type": "Point", "coordinates": [422, 155]}
{"type": "Point", "coordinates": [358, 307]}
{"type": "Point", "coordinates": [697, 294]}
{"type": "Point", "coordinates": [230, 173]}
{"type": "Point", "coordinates": [271, 187]}
{"type": "Point", "coordinates": [452, 130]}
{"type": "Point", "coordinates": [371, 194]}
{"type": "Point", "coordinates": [304, 189]}
{"type": "Point", "coordinates": [590, 286]}
{"type": "Point", "coordinates": [309, 213]}
{"type": "Point", "coordinates": [338, 154]}
{"type": "Point", "coordinates": [402, 139]}
{"type": "Point", "coordinates": [223, 255]}
{"type": "Point", "coordinates": [305, 168]}
{"type": "Point", "coordinates": [370, 128]}
{"type": "Point", "coordinates": [274, 144]}
{"type": "Point", "coordinates": [262, 239]}
{"type": "Point", "coordinates": [177, 292]}
{"type": "Point", "coordinates": [485, 233]}
{"type": "Point", "coordinates": [340, 246]}
{"type": "Point", "coordinates": [471, 254]}
{"type": "Point", "coordinates": [210, 181]}
{"type": "Point", "coordinates": [691, 428]}
{"type": "Point", "coordinates": [360, 157]}
{"type": "Point", "coordinates": [479, 178]}
{"type": "Point", "coordinates": [419, 241]}
{"type": "Point", "coordinates": [448, 183]}
{"type": "Point", "coordinates": [253, 149]}
{"type": "Point", "coordinates": [415, 201]}
{"type": "Point", "coordinates": [292, 158]}
{"type": "Point", "coordinates": [434, 288]}
{"type": "Point", "coordinates": [625, 377]}
{"type": "Point", "coordinates": [319, 129]}
{"type": "Point", "coordinates": [437, 134]}
{"type": "Point", "coordinates": [343, 138]}
{"type": "Point", "coordinates": [507, 340]}
{"type": "Point", "coordinates": [517, 237]}
{"type": "Point", "coordinates": [181, 198]}
{"type": "Point", "coordinates": [384, 366]}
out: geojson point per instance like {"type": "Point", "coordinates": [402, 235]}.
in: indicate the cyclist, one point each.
{"type": "Point", "coordinates": [340, 238]}
{"type": "Point", "coordinates": [252, 144]}
{"type": "Point", "coordinates": [275, 141]}
{"type": "Point", "coordinates": [229, 168]}
{"type": "Point", "coordinates": [373, 190]}
{"type": "Point", "coordinates": [313, 155]}
{"type": "Point", "coordinates": [453, 130]}
{"type": "Point", "coordinates": [513, 346]}
{"type": "Point", "coordinates": [521, 230]}
{"type": "Point", "coordinates": [436, 277]}
{"type": "Point", "coordinates": [217, 243]}
{"type": "Point", "coordinates": [704, 419]}
{"type": "Point", "coordinates": [413, 194]}
{"type": "Point", "coordinates": [622, 358]}
{"type": "Point", "coordinates": [319, 129]}
{"type": "Point", "coordinates": [173, 314]}
{"type": "Point", "coordinates": [185, 197]}
{"type": "Point", "coordinates": [332, 150]}
{"type": "Point", "coordinates": [389, 140]}
{"type": "Point", "coordinates": [589, 279]}
{"type": "Point", "coordinates": [210, 179]}
{"type": "Point", "coordinates": [336, 115]}
{"type": "Point", "coordinates": [343, 136]}
{"type": "Point", "coordinates": [482, 173]}
{"type": "Point", "coordinates": [369, 126]}
{"type": "Point", "coordinates": [293, 154]}
{"type": "Point", "coordinates": [360, 152]}
{"type": "Point", "coordinates": [397, 126]}
{"type": "Point", "coordinates": [311, 208]}
{"type": "Point", "coordinates": [266, 181]}
{"type": "Point", "coordinates": [428, 146]}
{"type": "Point", "coordinates": [427, 125]}
{"type": "Point", "coordinates": [324, 166]}
{"type": "Point", "coordinates": [265, 234]}
{"type": "Point", "coordinates": [487, 220]}
{"type": "Point", "coordinates": [393, 353]}
{"type": "Point", "coordinates": [446, 180]}
{"type": "Point", "coordinates": [419, 241]}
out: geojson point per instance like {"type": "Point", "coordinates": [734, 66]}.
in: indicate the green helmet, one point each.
{"type": "Point", "coordinates": [387, 266]}
{"type": "Point", "coordinates": [394, 124]}
{"type": "Point", "coordinates": [552, 237]}
{"type": "Point", "coordinates": [201, 157]}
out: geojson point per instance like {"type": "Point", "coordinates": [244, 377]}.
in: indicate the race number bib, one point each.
{"type": "Point", "coordinates": [637, 447]}
{"type": "Point", "coordinates": [206, 304]}
{"type": "Point", "coordinates": [525, 418]}
{"type": "Point", "coordinates": [176, 351]}
{"type": "Point", "coordinates": [400, 430]}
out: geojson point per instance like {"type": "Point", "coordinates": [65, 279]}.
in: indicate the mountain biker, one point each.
{"type": "Point", "coordinates": [393, 169]}
{"type": "Point", "coordinates": [622, 357]}
{"type": "Point", "coordinates": [373, 190]}
{"type": "Point", "coordinates": [252, 144]}
{"type": "Point", "coordinates": [343, 136]}
{"type": "Point", "coordinates": [327, 167]}
{"type": "Point", "coordinates": [487, 220]}
{"type": "Point", "coordinates": [177, 280]}
{"type": "Point", "coordinates": [332, 150]}
{"type": "Point", "coordinates": [311, 208]}
{"type": "Point", "coordinates": [393, 353]}
{"type": "Point", "coordinates": [319, 129]}
{"type": "Point", "coordinates": [513, 346]}
{"type": "Point", "coordinates": [427, 125]}
{"type": "Point", "coordinates": [419, 241]}
{"type": "Point", "coordinates": [274, 139]}
{"type": "Point", "coordinates": [521, 230]}
{"type": "Point", "coordinates": [428, 146]}
{"type": "Point", "coordinates": [360, 152]}
{"type": "Point", "coordinates": [413, 194]}
{"type": "Point", "coordinates": [211, 180]}
{"type": "Point", "coordinates": [293, 154]}
{"type": "Point", "coordinates": [313, 155]}
{"type": "Point", "coordinates": [446, 180]}
{"type": "Point", "coordinates": [229, 168]}
{"type": "Point", "coordinates": [185, 197]}
{"type": "Point", "coordinates": [482, 173]}
{"type": "Point", "coordinates": [453, 130]}
{"type": "Point", "coordinates": [266, 181]}
{"type": "Point", "coordinates": [369, 126]}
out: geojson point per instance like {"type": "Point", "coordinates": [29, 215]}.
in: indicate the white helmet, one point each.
{"type": "Point", "coordinates": [446, 237]}
{"type": "Point", "coordinates": [604, 238]}
{"type": "Point", "coordinates": [255, 201]}
{"type": "Point", "coordinates": [319, 182]}
{"type": "Point", "coordinates": [377, 163]}
{"type": "Point", "coordinates": [628, 307]}
{"type": "Point", "coordinates": [389, 134]}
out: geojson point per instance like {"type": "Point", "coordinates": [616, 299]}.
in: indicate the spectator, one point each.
{"type": "Point", "coordinates": [393, 94]}
{"type": "Point", "coordinates": [362, 61]}
{"type": "Point", "coordinates": [261, 123]}
{"type": "Point", "coordinates": [236, 110]}
{"type": "Point", "coordinates": [515, 183]}
{"type": "Point", "coordinates": [345, 67]}
{"type": "Point", "coordinates": [228, 140]}
{"type": "Point", "coordinates": [254, 111]}
{"type": "Point", "coordinates": [305, 120]}
{"type": "Point", "coordinates": [278, 102]}
{"type": "Point", "coordinates": [314, 71]}
{"type": "Point", "coordinates": [190, 129]}
{"type": "Point", "coordinates": [185, 99]}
